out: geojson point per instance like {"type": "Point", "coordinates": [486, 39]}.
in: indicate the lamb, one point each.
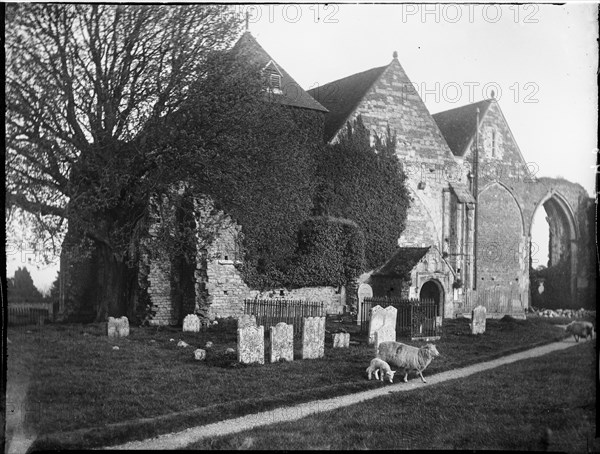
{"type": "Point", "coordinates": [407, 357]}
{"type": "Point", "coordinates": [580, 329]}
{"type": "Point", "coordinates": [378, 365]}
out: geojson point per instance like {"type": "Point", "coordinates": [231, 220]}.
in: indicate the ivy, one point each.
{"type": "Point", "coordinates": [330, 253]}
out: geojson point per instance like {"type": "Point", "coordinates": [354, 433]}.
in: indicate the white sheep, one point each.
{"type": "Point", "coordinates": [407, 357]}
{"type": "Point", "coordinates": [580, 329]}
{"type": "Point", "coordinates": [378, 365]}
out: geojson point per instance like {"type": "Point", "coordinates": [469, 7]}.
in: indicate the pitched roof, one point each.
{"type": "Point", "coordinates": [462, 193]}
{"type": "Point", "coordinates": [292, 94]}
{"type": "Point", "coordinates": [458, 125]}
{"type": "Point", "coordinates": [402, 262]}
{"type": "Point", "coordinates": [342, 96]}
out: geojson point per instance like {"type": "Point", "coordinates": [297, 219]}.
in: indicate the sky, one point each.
{"type": "Point", "coordinates": [540, 60]}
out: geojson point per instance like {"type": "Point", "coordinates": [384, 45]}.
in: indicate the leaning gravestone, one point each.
{"type": "Point", "coordinates": [246, 320]}
{"type": "Point", "coordinates": [381, 318]}
{"type": "Point", "coordinates": [118, 327]}
{"type": "Point", "coordinates": [384, 334]}
{"type": "Point", "coordinates": [191, 323]}
{"type": "Point", "coordinates": [364, 291]}
{"type": "Point", "coordinates": [478, 320]}
{"type": "Point", "coordinates": [313, 337]}
{"type": "Point", "coordinates": [282, 342]}
{"type": "Point", "coordinates": [341, 340]}
{"type": "Point", "coordinates": [251, 344]}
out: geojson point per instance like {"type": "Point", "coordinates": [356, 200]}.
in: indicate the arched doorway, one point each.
{"type": "Point", "coordinates": [433, 290]}
{"type": "Point", "coordinates": [560, 273]}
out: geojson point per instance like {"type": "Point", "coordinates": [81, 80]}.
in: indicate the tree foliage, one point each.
{"type": "Point", "coordinates": [20, 288]}
{"type": "Point", "coordinates": [367, 187]}
{"type": "Point", "coordinates": [89, 89]}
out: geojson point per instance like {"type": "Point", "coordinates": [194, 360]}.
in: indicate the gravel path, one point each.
{"type": "Point", "coordinates": [182, 439]}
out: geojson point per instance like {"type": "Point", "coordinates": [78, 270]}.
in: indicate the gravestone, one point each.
{"type": "Point", "coordinates": [478, 320]}
{"type": "Point", "coordinates": [191, 323]}
{"type": "Point", "coordinates": [313, 337]}
{"type": "Point", "coordinates": [282, 342]}
{"type": "Point", "coordinates": [118, 327]}
{"type": "Point", "coordinates": [246, 320]}
{"type": "Point", "coordinates": [381, 318]}
{"type": "Point", "coordinates": [364, 291]}
{"type": "Point", "coordinates": [341, 340]}
{"type": "Point", "coordinates": [251, 344]}
{"type": "Point", "coordinates": [199, 354]}
{"type": "Point", "coordinates": [384, 334]}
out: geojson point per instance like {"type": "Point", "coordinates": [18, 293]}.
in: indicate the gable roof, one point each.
{"type": "Point", "coordinates": [458, 125]}
{"type": "Point", "coordinates": [292, 94]}
{"type": "Point", "coordinates": [402, 262]}
{"type": "Point", "coordinates": [342, 96]}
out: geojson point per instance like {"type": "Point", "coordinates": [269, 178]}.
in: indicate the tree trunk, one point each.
{"type": "Point", "coordinates": [95, 284]}
{"type": "Point", "coordinates": [115, 285]}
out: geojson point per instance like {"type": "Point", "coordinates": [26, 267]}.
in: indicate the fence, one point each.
{"type": "Point", "coordinates": [270, 312]}
{"type": "Point", "coordinates": [496, 300]}
{"type": "Point", "coordinates": [30, 313]}
{"type": "Point", "coordinates": [415, 318]}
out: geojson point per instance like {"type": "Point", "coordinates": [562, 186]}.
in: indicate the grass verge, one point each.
{"type": "Point", "coordinates": [82, 393]}
{"type": "Point", "coordinates": [545, 403]}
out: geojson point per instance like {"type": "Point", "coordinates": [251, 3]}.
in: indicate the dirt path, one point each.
{"type": "Point", "coordinates": [181, 439]}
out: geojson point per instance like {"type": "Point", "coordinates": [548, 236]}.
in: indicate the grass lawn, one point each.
{"type": "Point", "coordinates": [507, 408]}
{"type": "Point", "coordinates": [76, 382]}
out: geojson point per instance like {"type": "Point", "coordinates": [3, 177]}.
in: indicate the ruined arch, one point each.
{"type": "Point", "coordinates": [564, 237]}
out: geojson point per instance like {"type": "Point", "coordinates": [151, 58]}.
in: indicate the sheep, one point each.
{"type": "Point", "coordinates": [378, 365]}
{"type": "Point", "coordinates": [580, 329]}
{"type": "Point", "coordinates": [407, 357]}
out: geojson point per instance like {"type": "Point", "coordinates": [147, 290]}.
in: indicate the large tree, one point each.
{"type": "Point", "coordinates": [89, 89]}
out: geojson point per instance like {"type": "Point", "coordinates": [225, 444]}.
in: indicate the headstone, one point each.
{"type": "Point", "coordinates": [341, 340]}
{"type": "Point", "coordinates": [364, 291]}
{"type": "Point", "coordinates": [313, 337]}
{"type": "Point", "coordinates": [478, 320]}
{"type": "Point", "coordinates": [381, 318]}
{"type": "Point", "coordinates": [209, 344]}
{"type": "Point", "coordinates": [230, 351]}
{"type": "Point", "coordinates": [251, 344]}
{"type": "Point", "coordinates": [182, 344]}
{"type": "Point", "coordinates": [199, 354]}
{"type": "Point", "coordinates": [384, 334]}
{"type": "Point", "coordinates": [118, 327]}
{"type": "Point", "coordinates": [246, 320]}
{"type": "Point", "coordinates": [191, 323]}
{"type": "Point", "coordinates": [282, 342]}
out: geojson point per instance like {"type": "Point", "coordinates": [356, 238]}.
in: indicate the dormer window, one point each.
{"type": "Point", "coordinates": [273, 77]}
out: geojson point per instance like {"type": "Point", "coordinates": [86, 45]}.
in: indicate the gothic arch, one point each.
{"type": "Point", "coordinates": [561, 201]}
{"type": "Point", "coordinates": [564, 234]}
{"type": "Point", "coordinates": [499, 183]}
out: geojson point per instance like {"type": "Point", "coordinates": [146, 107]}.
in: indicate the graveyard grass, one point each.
{"type": "Point", "coordinates": [507, 408]}
{"type": "Point", "coordinates": [78, 384]}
